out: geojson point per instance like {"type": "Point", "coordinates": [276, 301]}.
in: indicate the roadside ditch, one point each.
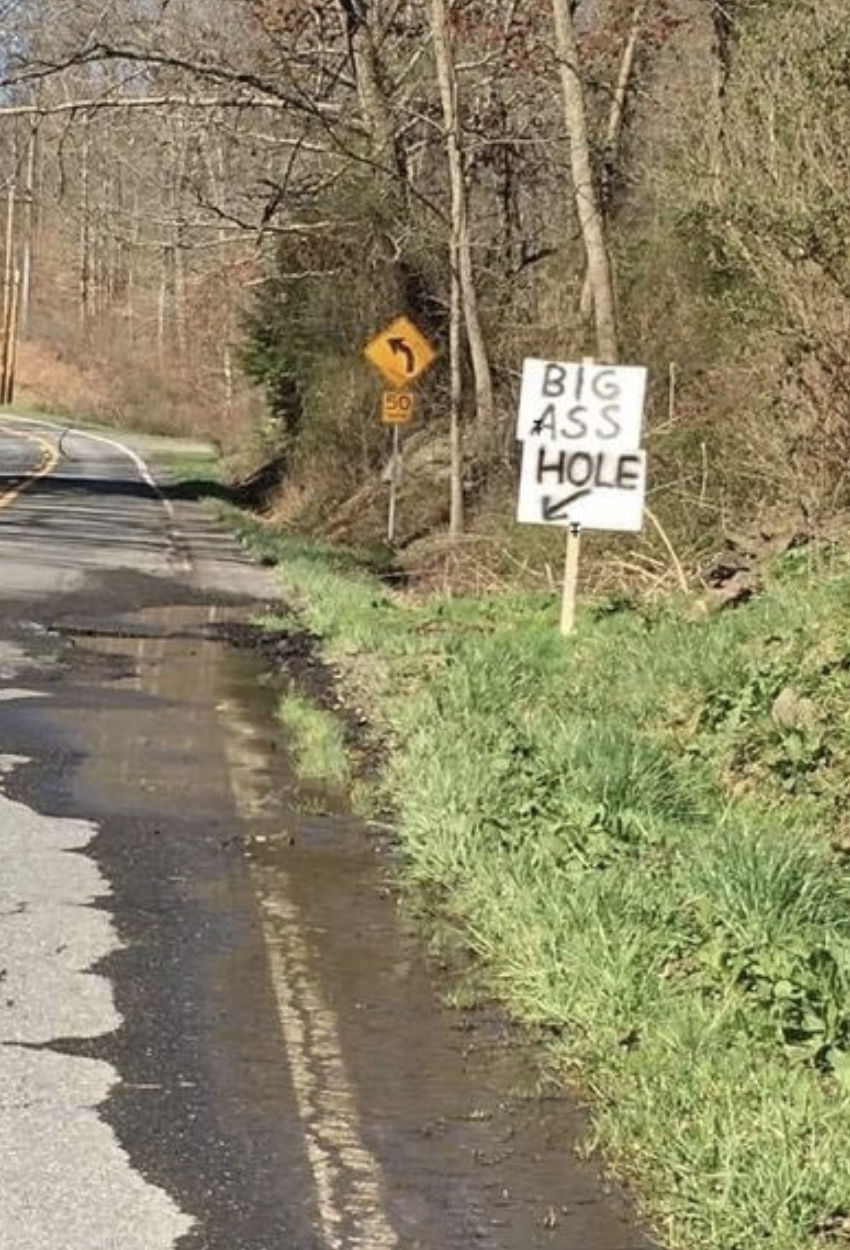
{"type": "Point", "coordinates": [640, 838]}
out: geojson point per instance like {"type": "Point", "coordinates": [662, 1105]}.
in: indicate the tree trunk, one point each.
{"type": "Point", "coordinates": [456, 517]}
{"type": "Point", "coordinates": [85, 253]}
{"type": "Point", "coordinates": [616, 117]}
{"type": "Point", "coordinates": [584, 187]}
{"type": "Point", "coordinates": [447, 76]}
{"type": "Point", "coordinates": [395, 208]}
{"type": "Point", "coordinates": [135, 238]}
{"type": "Point", "coordinates": [373, 101]}
{"type": "Point", "coordinates": [164, 299]}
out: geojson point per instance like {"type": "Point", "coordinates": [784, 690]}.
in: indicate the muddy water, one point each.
{"type": "Point", "coordinates": [350, 1108]}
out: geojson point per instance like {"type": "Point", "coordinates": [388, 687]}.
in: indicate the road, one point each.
{"type": "Point", "coordinates": [215, 1032]}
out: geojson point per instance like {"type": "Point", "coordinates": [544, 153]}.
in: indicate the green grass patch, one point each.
{"type": "Point", "coordinates": [198, 467]}
{"type": "Point", "coordinates": [315, 739]}
{"type": "Point", "coordinates": [642, 833]}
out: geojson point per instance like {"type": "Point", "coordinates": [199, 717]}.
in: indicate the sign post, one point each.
{"type": "Point", "coordinates": [401, 353]}
{"type": "Point", "coordinates": [568, 603]}
{"type": "Point", "coordinates": [582, 464]}
{"type": "Point", "coordinates": [395, 482]}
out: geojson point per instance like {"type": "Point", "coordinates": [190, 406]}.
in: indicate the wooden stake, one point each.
{"type": "Point", "coordinates": [568, 605]}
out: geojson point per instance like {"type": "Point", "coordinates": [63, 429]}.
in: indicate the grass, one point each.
{"type": "Point", "coordinates": [316, 741]}
{"type": "Point", "coordinates": [642, 834]}
{"type": "Point", "coordinates": [197, 466]}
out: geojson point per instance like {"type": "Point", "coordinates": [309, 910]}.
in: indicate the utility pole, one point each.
{"type": "Point", "coordinates": [11, 353]}
{"type": "Point", "coordinates": [11, 296]}
{"type": "Point", "coordinates": [29, 226]}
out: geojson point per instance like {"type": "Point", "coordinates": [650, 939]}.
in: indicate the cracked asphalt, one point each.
{"type": "Point", "coordinates": [216, 1032]}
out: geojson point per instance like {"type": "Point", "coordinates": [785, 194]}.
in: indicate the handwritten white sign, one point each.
{"type": "Point", "coordinates": [596, 489]}
{"type": "Point", "coordinates": [580, 426]}
{"type": "Point", "coordinates": [585, 404]}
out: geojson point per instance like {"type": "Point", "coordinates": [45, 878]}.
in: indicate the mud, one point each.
{"type": "Point", "coordinates": [290, 1073]}
{"type": "Point", "coordinates": [295, 652]}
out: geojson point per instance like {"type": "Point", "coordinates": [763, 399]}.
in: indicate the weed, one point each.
{"type": "Point", "coordinates": [316, 740]}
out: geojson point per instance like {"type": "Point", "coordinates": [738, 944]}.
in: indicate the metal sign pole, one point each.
{"type": "Point", "coordinates": [568, 605]}
{"type": "Point", "coordinates": [394, 484]}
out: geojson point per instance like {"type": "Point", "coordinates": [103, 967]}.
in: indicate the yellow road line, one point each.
{"type": "Point", "coordinates": [48, 462]}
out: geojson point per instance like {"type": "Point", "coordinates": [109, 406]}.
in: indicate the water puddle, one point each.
{"type": "Point", "coordinates": [386, 1120]}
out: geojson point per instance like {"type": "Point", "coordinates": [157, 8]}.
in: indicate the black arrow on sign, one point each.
{"type": "Point", "coordinates": [400, 348]}
{"type": "Point", "coordinates": [555, 509]}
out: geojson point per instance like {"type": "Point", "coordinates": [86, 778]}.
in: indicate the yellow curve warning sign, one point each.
{"type": "Point", "coordinates": [401, 353]}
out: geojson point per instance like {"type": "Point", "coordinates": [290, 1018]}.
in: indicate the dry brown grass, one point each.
{"type": "Point", "coordinates": [131, 391]}
{"type": "Point", "coordinates": [49, 382]}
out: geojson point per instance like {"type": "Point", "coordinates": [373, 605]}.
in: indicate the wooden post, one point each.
{"type": "Point", "coordinates": [28, 240]}
{"type": "Point", "coordinates": [14, 329]}
{"type": "Point", "coordinates": [8, 280]}
{"type": "Point", "coordinates": [5, 346]}
{"type": "Point", "coordinates": [395, 474]}
{"type": "Point", "coordinates": [568, 606]}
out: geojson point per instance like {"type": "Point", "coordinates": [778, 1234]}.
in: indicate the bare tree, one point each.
{"type": "Point", "coordinates": [588, 209]}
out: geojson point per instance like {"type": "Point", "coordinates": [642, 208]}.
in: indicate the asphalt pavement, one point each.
{"type": "Point", "coordinates": [215, 1031]}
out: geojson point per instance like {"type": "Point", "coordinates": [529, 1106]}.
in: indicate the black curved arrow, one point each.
{"type": "Point", "coordinates": [555, 509]}
{"type": "Point", "coordinates": [400, 347]}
